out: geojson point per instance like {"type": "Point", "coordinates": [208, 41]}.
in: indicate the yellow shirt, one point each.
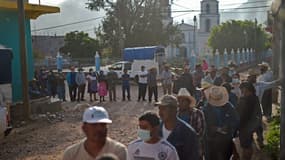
{"type": "Point", "coordinates": [78, 152]}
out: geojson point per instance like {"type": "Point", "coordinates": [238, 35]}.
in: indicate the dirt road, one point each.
{"type": "Point", "coordinates": [44, 140]}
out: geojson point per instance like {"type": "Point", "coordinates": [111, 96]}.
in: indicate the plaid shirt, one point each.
{"type": "Point", "coordinates": [196, 119]}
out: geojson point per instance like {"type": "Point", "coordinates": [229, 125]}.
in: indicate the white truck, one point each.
{"type": "Point", "coordinates": [134, 58]}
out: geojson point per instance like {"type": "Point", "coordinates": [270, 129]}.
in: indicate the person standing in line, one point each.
{"type": "Point", "coordinates": [103, 86]}
{"type": "Point", "coordinates": [60, 85]}
{"type": "Point", "coordinates": [126, 85]}
{"type": "Point", "coordinates": [152, 85]}
{"type": "Point", "coordinates": [222, 121]}
{"type": "Point", "coordinates": [81, 83]}
{"type": "Point", "coordinates": [150, 145]}
{"type": "Point", "coordinates": [72, 86]}
{"type": "Point", "coordinates": [186, 81]}
{"type": "Point", "coordinates": [92, 84]}
{"type": "Point", "coordinates": [235, 83]}
{"type": "Point", "coordinates": [112, 79]}
{"type": "Point", "coordinates": [266, 99]}
{"type": "Point", "coordinates": [177, 132]}
{"type": "Point", "coordinates": [51, 83]}
{"type": "Point", "coordinates": [212, 77]}
{"type": "Point", "coordinates": [198, 75]}
{"type": "Point", "coordinates": [233, 99]}
{"type": "Point", "coordinates": [188, 112]}
{"type": "Point", "coordinates": [142, 80]}
{"type": "Point", "coordinates": [250, 118]}
{"type": "Point", "coordinates": [97, 143]}
{"type": "Point", "coordinates": [205, 65]}
{"type": "Point", "coordinates": [166, 79]}
{"type": "Point", "coordinates": [43, 81]}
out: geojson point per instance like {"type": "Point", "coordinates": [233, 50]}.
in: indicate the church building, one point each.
{"type": "Point", "coordinates": [195, 37]}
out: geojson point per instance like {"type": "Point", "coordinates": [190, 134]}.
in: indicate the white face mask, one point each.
{"type": "Point", "coordinates": [144, 134]}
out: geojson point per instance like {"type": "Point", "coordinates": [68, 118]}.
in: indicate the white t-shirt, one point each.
{"type": "Point", "coordinates": [142, 77]}
{"type": "Point", "coordinates": [162, 150]}
{"type": "Point", "coordinates": [78, 152]}
{"type": "Point", "coordinates": [165, 132]}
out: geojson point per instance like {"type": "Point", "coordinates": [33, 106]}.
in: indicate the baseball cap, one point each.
{"type": "Point", "coordinates": [167, 100]}
{"type": "Point", "coordinates": [96, 114]}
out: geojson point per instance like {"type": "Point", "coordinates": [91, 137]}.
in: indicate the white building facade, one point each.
{"type": "Point", "coordinates": [186, 48]}
{"type": "Point", "coordinates": [195, 40]}
{"type": "Point", "coordinates": [209, 18]}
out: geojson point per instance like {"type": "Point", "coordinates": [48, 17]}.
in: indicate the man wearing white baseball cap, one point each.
{"type": "Point", "coordinates": [96, 143]}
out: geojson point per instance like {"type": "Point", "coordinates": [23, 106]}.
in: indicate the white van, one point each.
{"type": "Point", "coordinates": [132, 67]}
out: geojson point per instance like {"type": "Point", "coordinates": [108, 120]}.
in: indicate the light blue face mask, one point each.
{"type": "Point", "coordinates": [144, 134]}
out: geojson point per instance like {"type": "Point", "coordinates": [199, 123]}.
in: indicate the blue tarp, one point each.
{"type": "Point", "coordinates": [5, 66]}
{"type": "Point", "coordinates": [141, 53]}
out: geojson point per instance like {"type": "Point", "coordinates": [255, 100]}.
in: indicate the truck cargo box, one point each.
{"type": "Point", "coordinates": [142, 53]}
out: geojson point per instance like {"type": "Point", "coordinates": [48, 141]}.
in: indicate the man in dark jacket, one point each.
{"type": "Point", "coordinates": [250, 117]}
{"type": "Point", "coordinates": [222, 121]}
{"type": "Point", "coordinates": [180, 134]}
{"type": "Point", "coordinates": [186, 81]}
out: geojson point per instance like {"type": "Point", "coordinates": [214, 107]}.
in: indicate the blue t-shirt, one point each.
{"type": "Point", "coordinates": [126, 79]}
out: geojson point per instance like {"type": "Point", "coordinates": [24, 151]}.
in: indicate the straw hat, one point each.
{"type": "Point", "coordinates": [264, 64]}
{"type": "Point", "coordinates": [253, 72]}
{"type": "Point", "coordinates": [217, 96]}
{"type": "Point", "coordinates": [183, 93]}
{"type": "Point", "coordinates": [204, 85]}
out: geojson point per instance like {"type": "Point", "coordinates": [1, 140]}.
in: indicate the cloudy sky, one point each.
{"type": "Point", "coordinates": [74, 11]}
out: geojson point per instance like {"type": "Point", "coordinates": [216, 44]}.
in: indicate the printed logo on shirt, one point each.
{"type": "Point", "coordinates": [162, 155]}
{"type": "Point", "coordinates": [137, 152]}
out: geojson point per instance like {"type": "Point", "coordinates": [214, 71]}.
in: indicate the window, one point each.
{"type": "Point", "coordinates": [183, 37]}
{"type": "Point", "coordinates": [128, 66]}
{"type": "Point", "coordinates": [208, 25]}
{"type": "Point", "coordinates": [117, 66]}
{"type": "Point", "coordinates": [207, 8]}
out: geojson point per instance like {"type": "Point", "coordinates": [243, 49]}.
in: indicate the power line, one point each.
{"type": "Point", "coordinates": [246, 7]}
{"type": "Point", "coordinates": [222, 9]}
{"type": "Point", "coordinates": [229, 4]}
{"type": "Point", "coordinates": [68, 24]}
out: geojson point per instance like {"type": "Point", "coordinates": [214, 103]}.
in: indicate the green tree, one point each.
{"type": "Point", "coordinates": [79, 45]}
{"type": "Point", "coordinates": [132, 24]}
{"type": "Point", "coordinates": [238, 34]}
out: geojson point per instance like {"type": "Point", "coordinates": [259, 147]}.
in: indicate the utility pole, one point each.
{"type": "Point", "coordinates": [282, 125]}
{"type": "Point", "coordinates": [278, 12]}
{"type": "Point", "coordinates": [194, 35]}
{"type": "Point", "coordinates": [255, 40]}
{"type": "Point", "coordinates": [23, 56]}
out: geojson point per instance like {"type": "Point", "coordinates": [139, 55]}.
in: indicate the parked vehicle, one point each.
{"type": "Point", "coordinates": [134, 58]}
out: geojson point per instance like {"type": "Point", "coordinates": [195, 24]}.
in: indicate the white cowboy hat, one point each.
{"type": "Point", "coordinates": [217, 96]}
{"type": "Point", "coordinates": [183, 93]}
{"type": "Point", "coordinates": [264, 64]}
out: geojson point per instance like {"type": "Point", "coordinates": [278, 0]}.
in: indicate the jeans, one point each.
{"type": "Point", "coordinates": [142, 91]}
{"type": "Point", "coordinates": [112, 93]}
{"type": "Point", "coordinates": [152, 90]}
{"type": "Point", "coordinates": [124, 89]}
{"type": "Point", "coordinates": [72, 91]}
{"type": "Point", "coordinates": [61, 92]}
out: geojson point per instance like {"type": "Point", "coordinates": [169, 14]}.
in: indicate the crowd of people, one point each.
{"type": "Point", "coordinates": [202, 115]}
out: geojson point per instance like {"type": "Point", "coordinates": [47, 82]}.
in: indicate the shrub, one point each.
{"type": "Point", "coordinates": [273, 138]}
